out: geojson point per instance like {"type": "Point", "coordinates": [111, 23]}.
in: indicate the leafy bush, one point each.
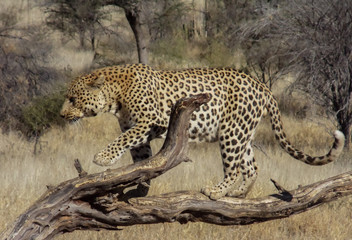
{"type": "Point", "coordinates": [24, 69]}
{"type": "Point", "coordinates": [42, 113]}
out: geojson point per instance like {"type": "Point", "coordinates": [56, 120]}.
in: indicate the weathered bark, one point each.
{"type": "Point", "coordinates": [196, 207]}
{"type": "Point", "coordinates": [97, 201]}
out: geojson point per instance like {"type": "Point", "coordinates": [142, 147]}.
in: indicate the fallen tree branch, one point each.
{"type": "Point", "coordinates": [191, 206]}
{"type": "Point", "coordinates": [57, 210]}
{"type": "Point", "coordinates": [97, 201]}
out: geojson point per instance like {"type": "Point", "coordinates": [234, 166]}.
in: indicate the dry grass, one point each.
{"type": "Point", "coordinates": [24, 176]}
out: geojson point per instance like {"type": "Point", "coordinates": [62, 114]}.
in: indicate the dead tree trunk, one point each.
{"type": "Point", "coordinates": [97, 201]}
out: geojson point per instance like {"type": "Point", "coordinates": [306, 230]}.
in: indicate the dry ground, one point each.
{"type": "Point", "coordinates": [25, 175]}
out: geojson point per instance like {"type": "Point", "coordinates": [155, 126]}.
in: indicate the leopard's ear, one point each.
{"type": "Point", "coordinates": [98, 82]}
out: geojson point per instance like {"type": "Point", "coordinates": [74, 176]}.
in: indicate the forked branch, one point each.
{"type": "Point", "coordinates": [97, 201]}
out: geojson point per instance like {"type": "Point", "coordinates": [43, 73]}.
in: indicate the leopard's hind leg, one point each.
{"type": "Point", "coordinates": [232, 147]}
{"type": "Point", "coordinates": [248, 170]}
{"type": "Point", "coordinates": [238, 157]}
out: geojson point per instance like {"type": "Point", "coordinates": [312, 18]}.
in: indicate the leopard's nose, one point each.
{"type": "Point", "coordinates": [62, 114]}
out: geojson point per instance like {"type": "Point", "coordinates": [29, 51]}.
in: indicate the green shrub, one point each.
{"type": "Point", "coordinates": [42, 113]}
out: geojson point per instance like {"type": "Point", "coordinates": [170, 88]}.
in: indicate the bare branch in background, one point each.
{"type": "Point", "coordinates": [311, 40]}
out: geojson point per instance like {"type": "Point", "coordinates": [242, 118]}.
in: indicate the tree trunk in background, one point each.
{"type": "Point", "coordinates": [136, 17]}
{"type": "Point", "coordinates": [140, 31]}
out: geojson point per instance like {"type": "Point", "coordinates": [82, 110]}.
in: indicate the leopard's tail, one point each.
{"type": "Point", "coordinates": [276, 124]}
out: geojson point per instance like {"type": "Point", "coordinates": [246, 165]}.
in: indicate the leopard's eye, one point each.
{"type": "Point", "coordinates": [72, 100]}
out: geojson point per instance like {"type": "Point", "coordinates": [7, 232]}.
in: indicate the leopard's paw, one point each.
{"type": "Point", "coordinates": [237, 193]}
{"type": "Point", "coordinates": [104, 158]}
{"type": "Point", "coordinates": [214, 193]}
{"type": "Point", "coordinates": [206, 190]}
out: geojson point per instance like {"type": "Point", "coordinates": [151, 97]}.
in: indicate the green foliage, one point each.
{"type": "Point", "coordinates": [42, 113]}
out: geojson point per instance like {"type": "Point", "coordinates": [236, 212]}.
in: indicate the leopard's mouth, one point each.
{"type": "Point", "coordinates": [73, 120]}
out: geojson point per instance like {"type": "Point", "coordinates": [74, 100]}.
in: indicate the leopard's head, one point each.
{"type": "Point", "coordinates": [84, 97]}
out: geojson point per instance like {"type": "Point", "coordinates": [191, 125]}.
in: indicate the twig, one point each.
{"type": "Point", "coordinates": [78, 166]}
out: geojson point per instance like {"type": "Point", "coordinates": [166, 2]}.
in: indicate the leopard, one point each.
{"type": "Point", "coordinates": [142, 98]}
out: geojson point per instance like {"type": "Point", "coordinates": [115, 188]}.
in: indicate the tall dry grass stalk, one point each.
{"type": "Point", "coordinates": [25, 176]}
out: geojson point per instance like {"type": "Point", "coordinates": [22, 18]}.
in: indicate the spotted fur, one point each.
{"type": "Point", "coordinates": [142, 97]}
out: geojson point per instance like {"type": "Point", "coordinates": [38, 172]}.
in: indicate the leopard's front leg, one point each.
{"type": "Point", "coordinates": [131, 138]}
